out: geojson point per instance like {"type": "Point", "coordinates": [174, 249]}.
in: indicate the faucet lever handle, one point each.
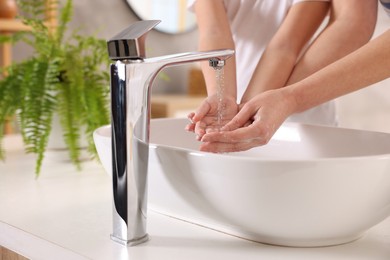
{"type": "Point", "coordinates": [130, 43]}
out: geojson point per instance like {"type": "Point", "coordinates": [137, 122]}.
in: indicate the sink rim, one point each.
{"type": "Point", "coordinates": [233, 155]}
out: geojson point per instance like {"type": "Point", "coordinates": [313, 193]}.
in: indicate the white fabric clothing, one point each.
{"type": "Point", "coordinates": [253, 24]}
{"type": "Point", "coordinates": [386, 5]}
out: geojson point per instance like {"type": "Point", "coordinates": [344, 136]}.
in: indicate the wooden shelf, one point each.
{"type": "Point", "coordinates": [9, 26]}
{"type": "Point", "coordinates": [12, 25]}
{"type": "Point", "coordinates": [174, 105]}
{"type": "Point", "coordinates": [7, 254]}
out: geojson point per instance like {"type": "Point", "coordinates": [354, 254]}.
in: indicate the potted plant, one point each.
{"type": "Point", "coordinates": [66, 76]}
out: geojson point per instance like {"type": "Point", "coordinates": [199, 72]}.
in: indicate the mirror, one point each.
{"type": "Point", "coordinates": [174, 15]}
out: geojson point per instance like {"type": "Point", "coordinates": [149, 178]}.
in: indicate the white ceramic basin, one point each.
{"type": "Point", "coordinates": [310, 186]}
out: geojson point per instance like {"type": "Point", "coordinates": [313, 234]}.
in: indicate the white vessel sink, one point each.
{"type": "Point", "coordinates": [310, 186]}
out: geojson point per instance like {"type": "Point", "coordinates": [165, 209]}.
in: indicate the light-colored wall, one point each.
{"type": "Point", "coordinates": [106, 18]}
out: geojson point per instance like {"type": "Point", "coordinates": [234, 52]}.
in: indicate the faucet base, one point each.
{"type": "Point", "coordinates": [132, 242]}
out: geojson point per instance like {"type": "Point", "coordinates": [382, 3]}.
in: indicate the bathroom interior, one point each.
{"type": "Point", "coordinates": [365, 109]}
{"type": "Point", "coordinates": [67, 213]}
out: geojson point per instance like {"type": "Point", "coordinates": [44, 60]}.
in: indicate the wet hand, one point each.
{"type": "Point", "coordinates": [264, 112]}
{"type": "Point", "coordinates": [211, 115]}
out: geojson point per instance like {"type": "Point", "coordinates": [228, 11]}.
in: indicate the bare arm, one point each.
{"type": "Point", "coordinates": [346, 32]}
{"type": "Point", "coordinates": [365, 66]}
{"type": "Point", "coordinates": [281, 54]}
{"type": "Point", "coordinates": [361, 68]}
{"type": "Point", "coordinates": [350, 26]}
{"type": "Point", "coordinates": [214, 33]}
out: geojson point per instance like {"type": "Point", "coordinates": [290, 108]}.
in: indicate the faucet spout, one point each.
{"type": "Point", "coordinates": [131, 83]}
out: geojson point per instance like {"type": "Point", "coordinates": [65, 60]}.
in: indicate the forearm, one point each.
{"type": "Point", "coordinates": [363, 67]}
{"type": "Point", "coordinates": [214, 33]}
{"type": "Point", "coordinates": [273, 71]}
{"type": "Point", "coordinates": [228, 80]}
{"type": "Point", "coordinates": [215, 41]}
{"type": "Point", "coordinates": [281, 54]}
{"type": "Point", "coordinates": [345, 32]}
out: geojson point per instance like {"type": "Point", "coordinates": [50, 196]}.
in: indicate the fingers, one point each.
{"type": "Point", "coordinates": [200, 130]}
{"type": "Point", "coordinates": [217, 147]}
{"type": "Point", "coordinates": [242, 118]}
{"type": "Point", "coordinates": [256, 131]}
{"type": "Point", "coordinates": [249, 125]}
{"type": "Point", "coordinates": [201, 112]}
{"type": "Point", "coordinates": [195, 118]}
{"type": "Point", "coordinates": [241, 139]}
{"type": "Point", "coordinates": [190, 117]}
{"type": "Point", "coordinates": [206, 118]}
{"type": "Point", "coordinates": [190, 127]}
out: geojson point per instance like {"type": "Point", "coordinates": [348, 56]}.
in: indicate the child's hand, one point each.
{"type": "Point", "coordinates": [211, 115]}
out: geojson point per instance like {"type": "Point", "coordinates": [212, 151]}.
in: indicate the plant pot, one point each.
{"type": "Point", "coordinates": [57, 149]}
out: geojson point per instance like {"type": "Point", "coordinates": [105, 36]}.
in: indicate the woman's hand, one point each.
{"type": "Point", "coordinates": [266, 112]}
{"type": "Point", "coordinates": [213, 113]}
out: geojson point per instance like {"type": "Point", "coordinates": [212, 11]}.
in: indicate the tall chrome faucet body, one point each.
{"type": "Point", "coordinates": [132, 77]}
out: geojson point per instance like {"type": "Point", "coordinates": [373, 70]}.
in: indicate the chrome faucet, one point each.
{"type": "Point", "coordinates": [132, 77]}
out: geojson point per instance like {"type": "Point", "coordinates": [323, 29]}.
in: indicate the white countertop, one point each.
{"type": "Point", "coordinates": [66, 214]}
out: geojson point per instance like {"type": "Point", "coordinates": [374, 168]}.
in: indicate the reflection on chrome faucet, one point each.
{"type": "Point", "coordinates": [132, 76]}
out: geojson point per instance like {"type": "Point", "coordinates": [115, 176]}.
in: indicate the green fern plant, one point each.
{"type": "Point", "coordinates": [67, 75]}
